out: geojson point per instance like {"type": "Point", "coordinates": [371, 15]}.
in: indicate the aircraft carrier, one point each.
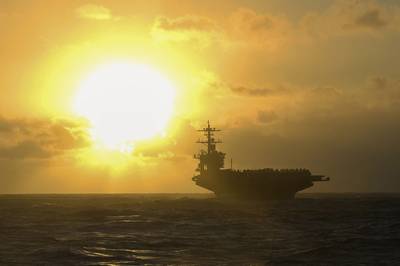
{"type": "Point", "coordinates": [255, 184]}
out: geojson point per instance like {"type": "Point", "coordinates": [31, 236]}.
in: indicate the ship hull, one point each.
{"type": "Point", "coordinates": [254, 187]}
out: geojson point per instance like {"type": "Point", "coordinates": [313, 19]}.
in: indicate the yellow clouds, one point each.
{"type": "Point", "coordinates": [185, 24]}
{"type": "Point", "coordinates": [252, 28]}
{"type": "Point", "coordinates": [243, 26]}
{"type": "Point", "coordinates": [186, 28]}
{"type": "Point", "coordinates": [40, 138]}
{"type": "Point", "coordinates": [293, 70]}
{"type": "Point", "coordinates": [264, 29]}
{"type": "Point", "coordinates": [91, 11]}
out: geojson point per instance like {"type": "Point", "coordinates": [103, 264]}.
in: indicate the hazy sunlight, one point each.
{"type": "Point", "coordinates": [125, 102]}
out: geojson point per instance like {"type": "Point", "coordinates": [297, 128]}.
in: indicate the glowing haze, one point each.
{"type": "Point", "coordinates": [105, 96]}
{"type": "Point", "coordinates": [125, 102]}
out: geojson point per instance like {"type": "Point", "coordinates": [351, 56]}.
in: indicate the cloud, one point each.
{"type": "Point", "coordinates": [266, 116]}
{"type": "Point", "coordinates": [248, 20]}
{"type": "Point", "coordinates": [371, 19]}
{"type": "Point", "coordinates": [41, 158]}
{"type": "Point", "coordinates": [379, 83]}
{"type": "Point", "coordinates": [347, 17]}
{"type": "Point", "coordinates": [252, 91]}
{"type": "Point", "coordinates": [343, 147]}
{"type": "Point", "coordinates": [23, 150]}
{"type": "Point", "coordinates": [257, 92]}
{"type": "Point", "coordinates": [350, 135]}
{"type": "Point", "coordinates": [382, 92]}
{"type": "Point", "coordinates": [178, 144]}
{"type": "Point", "coordinates": [248, 26]}
{"type": "Point", "coordinates": [40, 138]}
{"type": "Point", "coordinates": [244, 26]}
{"type": "Point", "coordinates": [185, 23]}
{"type": "Point", "coordinates": [190, 28]}
{"type": "Point", "coordinates": [5, 126]}
{"type": "Point", "coordinates": [92, 11]}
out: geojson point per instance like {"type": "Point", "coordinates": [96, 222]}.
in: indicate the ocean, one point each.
{"type": "Point", "coordinates": [177, 229]}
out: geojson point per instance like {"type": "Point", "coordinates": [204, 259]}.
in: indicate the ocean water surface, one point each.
{"type": "Point", "coordinates": [137, 229]}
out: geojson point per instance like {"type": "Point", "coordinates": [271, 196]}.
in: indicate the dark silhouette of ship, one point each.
{"type": "Point", "coordinates": [257, 184]}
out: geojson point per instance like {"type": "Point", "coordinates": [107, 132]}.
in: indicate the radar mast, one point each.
{"type": "Point", "coordinates": [210, 140]}
{"type": "Point", "coordinates": [210, 160]}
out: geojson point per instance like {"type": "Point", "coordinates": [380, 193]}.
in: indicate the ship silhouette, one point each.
{"type": "Point", "coordinates": [255, 184]}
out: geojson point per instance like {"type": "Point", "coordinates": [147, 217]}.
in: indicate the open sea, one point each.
{"type": "Point", "coordinates": [193, 229]}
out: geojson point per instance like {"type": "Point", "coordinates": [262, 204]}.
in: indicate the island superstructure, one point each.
{"type": "Point", "coordinates": [256, 184]}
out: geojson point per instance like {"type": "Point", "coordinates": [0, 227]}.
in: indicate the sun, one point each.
{"type": "Point", "coordinates": [125, 102]}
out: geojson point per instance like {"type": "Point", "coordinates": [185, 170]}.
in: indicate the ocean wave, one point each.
{"type": "Point", "coordinates": [175, 230]}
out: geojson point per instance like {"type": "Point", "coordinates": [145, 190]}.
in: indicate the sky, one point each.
{"type": "Point", "coordinates": [292, 84]}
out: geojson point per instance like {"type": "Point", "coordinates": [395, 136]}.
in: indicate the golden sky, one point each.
{"type": "Point", "coordinates": [293, 84]}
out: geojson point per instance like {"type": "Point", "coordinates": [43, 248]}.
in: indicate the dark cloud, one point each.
{"type": "Point", "coordinates": [5, 126]}
{"type": "Point", "coordinates": [260, 92]}
{"type": "Point", "coordinates": [383, 84]}
{"type": "Point", "coordinates": [350, 135]}
{"type": "Point", "coordinates": [62, 137]}
{"type": "Point", "coordinates": [40, 138]}
{"type": "Point", "coordinates": [349, 17]}
{"type": "Point", "coordinates": [380, 83]}
{"type": "Point", "coordinates": [371, 19]}
{"type": "Point", "coordinates": [252, 91]}
{"type": "Point", "coordinates": [24, 150]}
{"type": "Point", "coordinates": [358, 150]}
{"type": "Point", "coordinates": [383, 92]}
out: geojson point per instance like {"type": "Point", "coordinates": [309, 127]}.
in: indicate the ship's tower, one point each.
{"type": "Point", "coordinates": [210, 160]}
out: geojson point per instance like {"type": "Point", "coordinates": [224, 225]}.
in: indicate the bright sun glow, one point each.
{"type": "Point", "coordinates": [125, 102]}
